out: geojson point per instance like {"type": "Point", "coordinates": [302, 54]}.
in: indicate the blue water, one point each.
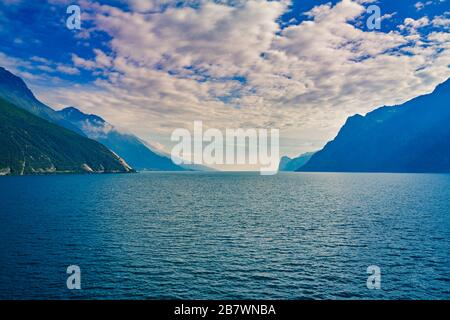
{"type": "Point", "coordinates": [225, 236]}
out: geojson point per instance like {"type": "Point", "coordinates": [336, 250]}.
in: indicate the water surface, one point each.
{"type": "Point", "coordinates": [225, 236]}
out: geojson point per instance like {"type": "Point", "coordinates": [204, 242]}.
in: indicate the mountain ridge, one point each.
{"type": "Point", "coordinates": [32, 145]}
{"type": "Point", "coordinates": [128, 146]}
{"type": "Point", "coordinates": [14, 90]}
{"type": "Point", "coordinates": [411, 137]}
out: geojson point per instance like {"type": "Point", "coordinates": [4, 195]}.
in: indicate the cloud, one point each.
{"type": "Point", "coordinates": [96, 130]}
{"type": "Point", "coordinates": [83, 63]}
{"type": "Point", "coordinates": [413, 25]}
{"type": "Point", "coordinates": [420, 5]}
{"type": "Point", "coordinates": [147, 5]}
{"type": "Point", "coordinates": [442, 21]}
{"type": "Point", "coordinates": [67, 70]}
{"type": "Point", "coordinates": [232, 64]}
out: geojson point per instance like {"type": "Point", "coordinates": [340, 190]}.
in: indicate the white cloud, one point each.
{"type": "Point", "coordinates": [83, 63]}
{"type": "Point", "coordinates": [413, 25]}
{"type": "Point", "coordinates": [442, 21]}
{"type": "Point", "coordinates": [420, 5]}
{"type": "Point", "coordinates": [229, 64]}
{"type": "Point", "coordinates": [67, 70]}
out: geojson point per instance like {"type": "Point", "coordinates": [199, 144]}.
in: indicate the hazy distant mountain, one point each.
{"type": "Point", "coordinates": [133, 150]}
{"type": "Point", "coordinates": [412, 137]}
{"type": "Point", "coordinates": [289, 164]}
{"type": "Point", "coordinates": [32, 145]}
{"type": "Point", "coordinates": [187, 167]}
{"type": "Point", "coordinates": [14, 90]}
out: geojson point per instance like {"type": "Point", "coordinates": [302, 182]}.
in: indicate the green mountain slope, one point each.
{"type": "Point", "coordinates": [14, 90]}
{"type": "Point", "coordinates": [31, 145]}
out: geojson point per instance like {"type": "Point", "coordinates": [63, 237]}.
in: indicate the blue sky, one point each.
{"type": "Point", "coordinates": [302, 66]}
{"type": "Point", "coordinates": [36, 29]}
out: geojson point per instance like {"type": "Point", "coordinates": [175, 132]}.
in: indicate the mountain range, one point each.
{"type": "Point", "coordinates": [32, 145]}
{"type": "Point", "coordinates": [135, 152]}
{"type": "Point", "coordinates": [412, 137]}
{"type": "Point", "coordinates": [14, 90]}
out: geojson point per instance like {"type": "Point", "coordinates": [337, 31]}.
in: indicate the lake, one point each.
{"type": "Point", "coordinates": [218, 235]}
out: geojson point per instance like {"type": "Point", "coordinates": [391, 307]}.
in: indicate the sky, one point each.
{"type": "Point", "coordinates": [301, 66]}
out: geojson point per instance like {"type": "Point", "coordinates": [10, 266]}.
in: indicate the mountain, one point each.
{"type": "Point", "coordinates": [288, 164]}
{"type": "Point", "coordinates": [412, 137]}
{"type": "Point", "coordinates": [132, 149]}
{"type": "Point", "coordinates": [187, 167]}
{"type": "Point", "coordinates": [32, 145]}
{"type": "Point", "coordinates": [14, 90]}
